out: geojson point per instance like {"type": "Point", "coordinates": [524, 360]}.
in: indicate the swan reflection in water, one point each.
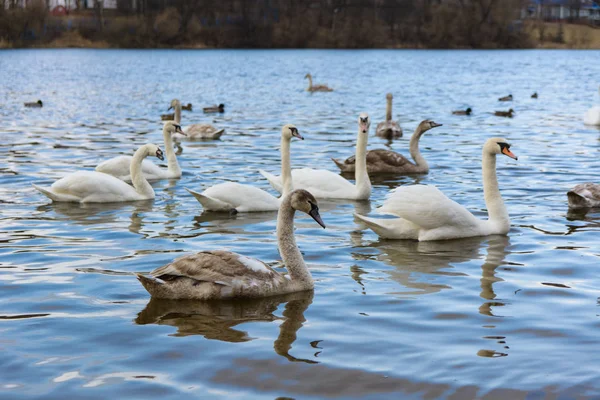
{"type": "Point", "coordinates": [217, 320]}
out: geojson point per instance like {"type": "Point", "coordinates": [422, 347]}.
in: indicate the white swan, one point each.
{"type": "Point", "coordinates": [232, 196]}
{"type": "Point", "coordinates": [195, 131]}
{"type": "Point", "coordinates": [120, 166]}
{"type": "Point", "coordinates": [427, 214]}
{"type": "Point", "coordinates": [97, 187]}
{"type": "Point", "coordinates": [223, 275]}
{"type": "Point", "coordinates": [324, 184]}
{"type": "Point", "coordinates": [592, 116]}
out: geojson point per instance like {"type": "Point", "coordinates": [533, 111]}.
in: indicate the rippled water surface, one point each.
{"type": "Point", "coordinates": [498, 317]}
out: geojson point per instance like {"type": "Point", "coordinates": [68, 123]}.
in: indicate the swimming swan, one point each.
{"type": "Point", "coordinates": [222, 274]}
{"type": "Point", "coordinates": [324, 184]}
{"type": "Point", "coordinates": [584, 195]}
{"type": "Point", "coordinates": [427, 214]}
{"type": "Point", "coordinates": [592, 116]}
{"type": "Point", "coordinates": [316, 88]}
{"type": "Point", "coordinates": [388, 129]}
{"type": "Point", "coordinates": [97, 187]}
{"type": "Point", "coordinates": [232, 196]}
{"type": "Point", "coordinates": [383, 161]}
{"type": "Point", "coordinates": [195, 131]}
{"type": "Point", "coordinates": [120, 166]}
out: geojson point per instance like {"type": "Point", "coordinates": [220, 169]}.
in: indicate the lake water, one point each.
{"type": "Point", "coordinates": [495, 318]}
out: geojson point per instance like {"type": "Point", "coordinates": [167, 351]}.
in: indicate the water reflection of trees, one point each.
{"type": "Point", "coordinates": [217, 320]}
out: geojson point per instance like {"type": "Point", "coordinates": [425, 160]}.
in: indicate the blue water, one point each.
{"type": "Point", "coordinates": [499, 317]}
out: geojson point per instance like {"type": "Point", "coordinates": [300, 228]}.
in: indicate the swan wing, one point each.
{"type": "Point", "coordinates": [97, 185]}
{"type": "Point", "coordinates": [244, 198]}
{"type": "Point", "coordinates": [592, 116]}
{"type": "Point", "coordinates": [120, 168]}
{"type": "Point", "coordinates": [200, 131]}
{"type": "Point", "coordinates": [218, 266]}
{"type": "Point", "coordinates": [321, 182]}
{"type": "Point", "coordinates": [428, 208]}
{"type": "Point", "coordinates": [274, 180]}
{"type": "Point", "coordinates": [387, 157]}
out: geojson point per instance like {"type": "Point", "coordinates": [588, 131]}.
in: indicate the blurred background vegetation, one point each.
{"type": "Point", "coordinates": [292, 24]}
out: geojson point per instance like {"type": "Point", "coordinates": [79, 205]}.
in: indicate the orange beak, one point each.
{"type": "Point", "coordinates": [509, 153]}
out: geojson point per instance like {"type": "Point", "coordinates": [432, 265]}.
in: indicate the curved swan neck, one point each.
{"type": "Point", "coordinates": [493, 200]}
{"type": "Point", "coordinates": [140, 183]}
{"type": "Point", "coordinates": [177, 118]}
{"type": "Point", "coordinates": [292, 258]}
{"type": "Point", "coordinates": [173, 165]}
{"type": "Point", "coordinates": [415, 153]}
{"type": "Point", "coordinates": [388, 110]}
{"type": "Point", "coordinates": [361, 175]}
{"type": "Point", "coordinates": [286, 166]}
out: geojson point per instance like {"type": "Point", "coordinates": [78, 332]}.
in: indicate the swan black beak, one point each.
{"type": "Point", "coordinates": [170, 108]}
{"type": "Point", "coordinates": [314, 213]}
{"type": "Point", "coordinates": [435, 124]}
{"type": "Point", "coordinates": [506, 151]}
{"type": "Point", "coordinates": [179, 130]}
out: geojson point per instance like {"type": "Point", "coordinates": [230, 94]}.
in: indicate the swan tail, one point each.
{"type": "Point", "coordinates": [273, 180]}
{"type": "Point", "coordinates": [56, 196]}
{"type": "Point", "coordinates": [210, 203]}
{"type": "Point", "coordinates": [342, 166]}
{"type": "Point", "coordinates": [218, 133]}
{"type": "Point", "coordinates": [393, 228]}
{"type": "Point", "coordinates": [152, 285]}
{"type": "Point", "coordinates": [576, 201]}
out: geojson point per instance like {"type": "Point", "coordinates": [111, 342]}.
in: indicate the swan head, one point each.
{"type": "Point", "coordinates": [307, 76]}
{"type": "Point", "coordinates": [389, 96]}
{"type": "Point", "coordinates": [427, 125]}
{"type": "Point", "coordinates": [498, 146]}
{"type": "Point", "coordinates": [302, 200]}
{"type": "Point", "coordinates": [154, 150]}
{"type": "Point", "coordinates": [289, 131]}
{"type": "Point", "coordinates": [364, 122]}
{"type": "Point", "coordinates": [174, 104]}
{"type": "Point", "coordinates": [171, 128]}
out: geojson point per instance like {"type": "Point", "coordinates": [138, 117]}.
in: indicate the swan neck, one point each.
{"type": "Point", "coordinates": [173, 165]}
{"type": "Point", "coordinates": [286, 166]}
{"type": "Point", "coordinates": [361, 175]}
{"type": "Point", "coordinates": [177, 118]}
{"type": "Point", "coordinates": [292, 258]}
{"type": "Point", "coordinates": [414, 148]}
{"type": "Point", "coordinates": [491, 192]}
{"type": "Point", "coordinates": [140, 183]}
{"type": "Point", "coordinates": [310, 84]}
{"type": "Point", "coordinates": [388, 110]}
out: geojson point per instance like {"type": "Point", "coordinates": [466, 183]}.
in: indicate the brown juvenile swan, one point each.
{"type": "Point", "coordinates": [388, 129]}
{"type": "Point", "coordinates": [316, 88]}
{"type": "Point", "coordinates": [222, 274]}
{"type": "Point", "coordinates": [382, 161]}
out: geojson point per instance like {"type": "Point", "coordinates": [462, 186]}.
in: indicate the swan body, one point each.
{"type": "Point", "coordinates": [507, 114]}
{"type": "Point", "coordinates": [584, 195]}
{"type": "Point", "coordinates": [35, 104]}
{"type": "Point", "coordinates": [224, 275]}
{"type": "Point", "coordinates": [506, 98]}
{"type": "Point", "coordinates": [195, 131]}
{"type": "Point", "coordinates": [425, 213]}
{"type": "Point", "coordinates": [97, 187]}
{"type": "Point", "coordinates": [592, 116]}
{"type": "Point", "coordinates": [382, 161]}
{"type": "Point", "coordinates": [468, 111]}
{"type": "Point", "coordinates": [316, 88]}
{"type": "Point", "coordinates": [325, 184]}
{"type": "Point", "coordinates": [388, 129]}
{"type": "Point", "coordinates": [120, 166]}
{"type": "Point", "coordinates": [215, 109]}
{"type": "Point", "coordinates": [236, 197]}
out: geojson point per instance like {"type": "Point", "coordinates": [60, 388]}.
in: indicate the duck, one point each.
{"type": "Point", "coordinates": [35, 104]}
{"type": "Point", "coordinates": [468, 111]}
{"type": "Point", "coordinates": [215, 109]}
{"type": "Point", "coordinates": [195, 131]}
{"type": "Point", "coordinates": [167, 117]}
{"type": "Point", "coordinates": [120, 166]}
{"type": "Point", "coordinates": [506, 98]}
{"type": "Point", "coordinates": [534, 95]}
{"type": "Point", "coordinates": [383, 161]}
{"type": "Point", "coordinates": [388, 129]}
{"type": "Point", "coordinates": [427, 214]}
{"type": "Point", "coordinates": [187, 107]}
{"type": "Point", "coordinates": [507, 114]}
{"type": "Point", "coordinates": [325, 184]}
{"type": "Point", "coordinates": [222, 274]}
{"type": "Point", "coordinates": [98, 187]}
{"type": "Point", "coordinates": [584, 195]}
{"type": "Point", "coordinates": [235, 197]}
{"type": "Point", "coordinates": [316, 88]}
{"type": "Point", "coordinates": [592, 116]}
